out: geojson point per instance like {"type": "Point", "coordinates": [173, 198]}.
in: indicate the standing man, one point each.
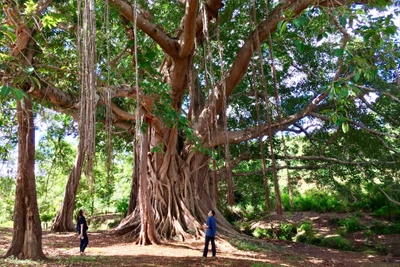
{"type": "Point", "coordinates": [211, 230]}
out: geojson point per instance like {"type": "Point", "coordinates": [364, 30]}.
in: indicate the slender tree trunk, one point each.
{"type": "Point", "coordinates": [27, 235]}
{"type": "Point", "coordinates": [64, 219]}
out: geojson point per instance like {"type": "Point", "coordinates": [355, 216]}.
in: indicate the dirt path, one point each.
{"type": "Point", "coordinates": [107, 250]}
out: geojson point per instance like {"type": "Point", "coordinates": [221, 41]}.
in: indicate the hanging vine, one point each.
{"type": "Point", "coordinates": [87, 60]}
{"type": "Point", "coordinates": [279, 110]}
{"type": "Point", "coordinates": [210, 85]}
{"type": "Point", "coordinates": [108, 111]}
{"type": "Point", "coordinates": [253, 22]}
{"type": "Point", "coordinates": [279, 209]}
{"type": "Point", "coordinates": [228, 164]}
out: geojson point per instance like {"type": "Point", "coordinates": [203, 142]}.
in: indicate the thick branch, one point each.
{"type": "Point", "coordinates": [168, 44]}
{"type": "Point", "coordinates": [189, 28]}
{"type": "Point", "coordinates": [55, 96]}
{"type": "Point", "coordinates": [235, 137]}
{"type": "Point", "coordinates": [268, 26]}
{"type": "Point", "coordinates": [213, 7]}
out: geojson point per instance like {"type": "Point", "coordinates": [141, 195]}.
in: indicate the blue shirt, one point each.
{"type": "Point", "coordinates": [212, 226]}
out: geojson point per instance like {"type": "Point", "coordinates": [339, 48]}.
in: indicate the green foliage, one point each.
{"type": "Point", "coordinates": [261, 233]}
{"type": "Point", "coordinates": [305, 233]}
{"type": "Point", "coordinates": [350, 225]}
{"type": "Point", "coordinates": [287, 231]}
{"type": "Point", "coordinates": [314, 200]}
{"type": "Point", "coordinates": [46, 217]}
{"type": "Point", "coordinates": [382, 228]}
{"type": "Point", "coordinates": [386, 212]}
{"type": "Point", "coordinates": [336, 242]}
{"type": "Point", "coordinates": [17, 93]}
{"type": "Point", "coordinates": [309, 43]}
{"type": "Point", "coordinates": [122, 205]}
{"type": "Point", "coordinates": [7, 192]}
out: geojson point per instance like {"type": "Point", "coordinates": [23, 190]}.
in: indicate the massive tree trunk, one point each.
{"type": "Point", "coordinates": [27, 235]}
{"type": "Point", "coordinates": [64, 219]}
{"type": "Point", "coordinates": [180, 190]}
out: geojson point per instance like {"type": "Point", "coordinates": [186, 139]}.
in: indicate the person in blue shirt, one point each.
{"type": "Point", "coordinates": [211, 230]}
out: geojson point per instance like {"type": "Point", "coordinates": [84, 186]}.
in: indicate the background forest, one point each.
{"type": "Point", "coordinates": [158, 111]}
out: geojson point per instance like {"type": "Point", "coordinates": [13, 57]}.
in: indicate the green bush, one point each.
{"type": "Point", "coordinates": [381, 228]}
{"type": "Point", "coordinates": [395, 228]}
{"type": "Point", "coordinates": [287, 231]}
{"type": "Point", "coordinates": [336, 242]}
{"type": "Point", "coordinates": [385, 212]}
{"type": "Point", "coordinates": [261, 233]}
{"type": "Point", "coordinates": [305, 233]}
{"type": "Point", "coordinates": [122, 205]}
{"type": "Point", "coordinates": [46, 217]}
{"type": "Point", "coordinates": [314, 200]}
{"type": "Point", "coordinates": [350, 225]}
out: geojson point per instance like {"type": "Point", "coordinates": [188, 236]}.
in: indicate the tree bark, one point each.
{"type": "Point", "coordinates": [147, 233]}
{"type": "Point", "coordinates": [27, 235]}
{"type": "Point", "coordinates": [64, 219]}
{"type": "Point", "coordinates": [178, 192]}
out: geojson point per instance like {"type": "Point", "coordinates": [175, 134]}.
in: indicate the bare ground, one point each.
{"type": "Point", "coordinates": [109, 250]}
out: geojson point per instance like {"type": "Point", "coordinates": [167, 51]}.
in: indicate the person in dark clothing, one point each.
{"type": "Point", "coordinates": [82, 231]}
{"type": "Point", "coordinates": [211, 230]}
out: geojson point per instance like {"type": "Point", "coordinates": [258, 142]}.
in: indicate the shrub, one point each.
{"type": "Point", "coordinates": [385, 212]}
{"type": "Point", "coordinates": [336, 242]}
{"type": "Point", "coordinates": [351, 225]}
{"type": "Point", "coordinates": [314, 200]}
{"type": "Point", "coordinates": [122, 205]}
{"type": "Point", "coordinates": [46, 217]}
{"type": "Point", "coordinates": [261, 233]}
{"type": "Point", "coordinates": [395, 228]}
{"type": "Point", "coordinates": [381, 228]}
{"type": "Point", "coordinates": [287, 231]}
{"type": "Point", "coordinates": [305, 233]}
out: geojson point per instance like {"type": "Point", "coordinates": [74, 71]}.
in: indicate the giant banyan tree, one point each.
{"type": "Point", "coordinates": [185, 77]}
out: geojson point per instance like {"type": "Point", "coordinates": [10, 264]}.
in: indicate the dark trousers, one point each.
{"type": "Point", "coordinates": [208, 239]}
{"type": "Point", "coordinates": [84, 242]}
